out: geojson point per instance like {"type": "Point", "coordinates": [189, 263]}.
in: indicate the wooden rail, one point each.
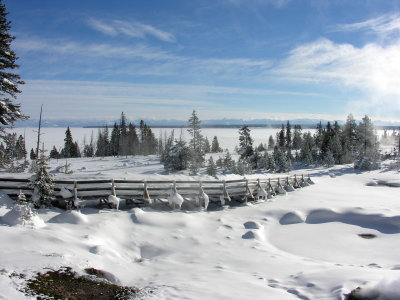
{"type": "Point", "coordinates": [146, 192]}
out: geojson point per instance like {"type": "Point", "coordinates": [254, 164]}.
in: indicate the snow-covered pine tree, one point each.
{"type": "Point", "coordinates": [228, 164]}
{"type": "Point", "coordinates": [245, 143]}
{"type": "Point", "coordinates": [368, 157]}
{"type": "Point", "coordinates": [32, 154]}
{"type": "Point", "coordinates": [281, 160]}
{"type": "Point", "coordinates": [178, 157]}
{"type": "Point", "coordinates": [306, 151]}
{"type": "Point", "coordinates": [9, 81]}
{"type": "Point", "coordinates": [42, 183]}
{"type": "Point", "coordinates": [349, 139]}
{"type": "Point", "coordinates": [211, 167]}
{"type": "Point", "coordinates": [328, 160]}
{"type": "Point", "coordinates": [271, 143]}
{"type": "Point", "coordinates": [206, 145]}
{"type": "Point", "coordinates": [196, 153]}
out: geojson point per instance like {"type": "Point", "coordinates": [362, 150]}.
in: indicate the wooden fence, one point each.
{"type": "Point", "coordinates": [142, 192]}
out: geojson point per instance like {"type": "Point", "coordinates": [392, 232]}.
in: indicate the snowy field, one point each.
{"type": "Point", "coordinates": [303, 245]}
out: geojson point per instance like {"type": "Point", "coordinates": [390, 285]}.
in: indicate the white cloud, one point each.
{"type": "Point", "coordinates": [131, 29]}
{"type": "Point", "coordinates": [372, 69]}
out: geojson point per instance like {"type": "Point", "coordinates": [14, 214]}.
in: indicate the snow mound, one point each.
{"type": "Point", "coordinates": [252, 225]}
{"type": "Point", "coordinates": [22, 215]}
{"type": "Point", "coordinates": [5, 200]}
{"type": "Point", "coordinates": [249, 235]}
{"type": "Point", "coordinates": [70, 217]}
{"type": "Point", "coordinates": [252, 235]}
{"type": "Point", "coordinates": [290, 218]}
{"type": "Point", "coordinates": [383, 224]}
{"type": "Point", "coordinates": [387, 288]}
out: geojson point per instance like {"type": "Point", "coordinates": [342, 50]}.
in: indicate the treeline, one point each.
{"type": "Point", "coordinates": [123, 139]}
{"type": "Point", "coordinates": [12, 149]}
{"type": "Point", "coordinates": [329, 145]}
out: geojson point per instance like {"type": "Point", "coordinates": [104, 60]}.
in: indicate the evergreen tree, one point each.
{"type": "Point", "coordinates": [215, 145]}
{"type": "Point", "coordinates": [280, 137]}
{"type": "Point", "coordinates": [297, 137]}
{"type": "Point", "coordinates": [282, 162]}
{"type": "Point", "coordinates": [306, 151]}
{"type": "Point", "coordinates": [206, 145]}
{"type": "Point", "coordinates": [228, 163]}
{"type": "Point", "coordinates": [9, 81]}
{"type": "Point", "coordinates": [123, 138]}
{"type": "Point", "coordinates": [328, 160]}
{"type": "Point", "coordinates": [54, 153]}
{"type": "Point", "coordinates": [245, 143]}
{"type": "Point", "coordinates": [350, 138]}
{"type": "Point", "coordinates": [178, 157]}
{"type": "Point", "coordinates": [69, 146]}
{"type": "Point", "coordinates": [32, 154]}
{"type": "Point", "coordinates": [133, 140]}
{"type": "Point", "coordinates": [20, 151]}
{"type": "Point", "coordinates": [115, 140]}
{"type": "Point", "coordinates": [197, 155]}
{"type": "Point", "coordinates": [368, 146]}
{"type": "Point", "coordinates": [271, 143]}
{"type": "Point", "coordinates": [288, 136]}
{"type": "Point", "coordinates": [211, 167]}
{"type": "Point", "coordinates": [42, 183]}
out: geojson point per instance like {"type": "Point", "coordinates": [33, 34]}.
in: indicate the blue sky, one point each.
{"type": "Point", "coordinates": [248, 59]}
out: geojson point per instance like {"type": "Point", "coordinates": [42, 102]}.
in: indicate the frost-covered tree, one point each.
{"type": "Point", "coordinates": [350, 139]}
{"type": "Point", "coordinates": [178, 157]}
{"type": "Point", "coordinates": [42, 183]}
{"type": "Point", "coordinates": [196, 151]}
{"type": "Point", "coordinates": [271, 143]}
{"type": "Point", "coordinates": [206, 145]}
{"type": "Point", "coordinates": [328, 160]}
{"type": "Point", "coordinates": [228, 163]}
{"type": "Point", "coordinates": [307, 152]}
{"type": "Point", "coordinates": [368, 157]}
{"type": "Point", "coordinates": [282, 161]}
{"type": "Point", "coordinates": [245, 143]}
{"type": "Point", "coordinates": [211, 167]}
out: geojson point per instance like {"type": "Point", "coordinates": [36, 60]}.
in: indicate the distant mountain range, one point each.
{"type": "Point", "coordinates": [220, 123]}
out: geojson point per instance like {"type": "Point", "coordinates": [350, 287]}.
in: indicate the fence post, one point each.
{"type": "Point", "coordinates": [146, 196]}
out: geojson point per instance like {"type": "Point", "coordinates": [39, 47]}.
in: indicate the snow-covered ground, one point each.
{"type": "Point", "coordinates": [304, 245]}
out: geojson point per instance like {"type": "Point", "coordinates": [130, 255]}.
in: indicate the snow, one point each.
{"type": "Point", "coordinates": [303, 245]}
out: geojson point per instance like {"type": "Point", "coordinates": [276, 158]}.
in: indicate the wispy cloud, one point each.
{"type": "Point", "coordinates": [130, 29]}
{"type": "Point", "coordinates": [275, 3]}
{"type": "Point", "coordinates": [382, 25]}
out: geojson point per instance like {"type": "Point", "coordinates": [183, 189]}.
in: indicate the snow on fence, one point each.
{"type": "Point", "coordinates": [141, 192]}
